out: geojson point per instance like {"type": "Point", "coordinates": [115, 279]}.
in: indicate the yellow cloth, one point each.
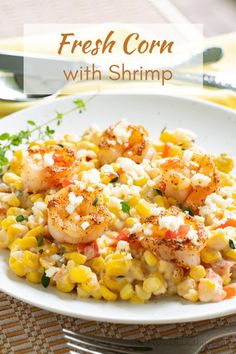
{"type": "Point", "coordinates": [224, 97]}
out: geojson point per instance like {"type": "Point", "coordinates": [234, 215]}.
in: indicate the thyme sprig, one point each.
{"type": "Point", "coordinates": [9, 142]}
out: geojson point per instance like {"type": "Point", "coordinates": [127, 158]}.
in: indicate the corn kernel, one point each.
{"type": "Point", "coordinates": [81, 293]}
{"type": "Point", "coordinates": [117, 267]}
{"type": "Point", "coordinates": [97, 294]}
{"type": "Point", "coordinates": [13, 211]}
{"type": "Point", "coordinates": [197, 272]}
{"type": "Point", "coordinates": [192, 295]}
{"type": "Point", "coordinates": [114, 284]}
{"type": "Point", "coordinates": [144, 208]}
{"type": "Point", "coordinates": [141, 181]}
{"type": "Point", "coordinates": [36, 231]}
{"type": "Point", "coordinates": [80, 274]}
{"type": "Point", "coordinates": [150, 259]}
{"type": "Point", "coordinates": [36, 197]}
{"type": "Point", "coordinates": [152, 284]}
{"type": "Point", "coordinates": [108, 294]}
{"type": "Point", "coordinates": [97, 264]}
{"type": "Point", "coordinates": [10, 220]}
{"type": "Point", "coordinates": [77, 257]}
{"type": "Point", "coordinates": [136, 270]}
{"type": "Point", "coordinates": [133, 201]}
{"type": "Point", "coordinates": [15, 231]}
{"type": "Point", "coordinates": [28, 242]}
{"type": "Point", "coordinates": [87, 145]}
{"type": "Point", "coordinates": [3, 239]}
{"type": "Point", "coordinates": [34, 276]}
{"type": "Point", "coordinates": [64, 284]}
{"type": "Point", "coordinates": [178, 275]}
{"type": "Point", "coordinates": [127, 292]}
{"type": "Point", "coordinates": [218, 240]}
{"type": "Point", "coordinates": [210, 256]}
{"type": "Point", "coordinates": [131, 221]}
{"type": "Point", "coordinates": [172, 201]}
{"type": "Point", "coordinates": [16, 245]}
{"type": "Point", "coordinates": [137, 299]}
{"type": "Point", "coordinates": [13, 201]}
{"type": "Point", "coordinates": [12, 180]}
{"type": "Point", "coordinates": [17, 266]}
{"type": "Point", "coordinates": [167, 137]}
{"type": "Point", "coordinates": [16, 162]}
{"type": "Point", "coordinates": [30, 259]}
{"type": "Point", "coordinates": [231, 254]}
{"type": "Point", "coordinates": [224, 163]}
{"type": "Point", "coordinates": [160, 201]}
{"type": "Point", "coordinates": [141, 293]}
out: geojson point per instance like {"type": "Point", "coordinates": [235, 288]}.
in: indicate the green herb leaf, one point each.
{"type": "Point", "coordinates": [31, 122]}
{"type": "Point", "coordinates": [4, 136]}
{"type": "Point", "coordinates": [232, 244]}
{"type": "Point", "coordinates": [45, 280]}
{"type": "Point", "coordinates": [40, 240]}
{"type": "Point", "coordinates": [59, 115]}
{"type": "Point", "coordinates": [95, 202]}
{"type": "Point", "coordinates": [20, 218]}
{"type": "Point", "coordinates": [158, 191]}
{"type": "Point", "coordinates": [80, 104]}
{"type": "Point", "coordinates": [188, 211]}
{"type": "Point", "coordinates": [163, 130]}
{"type": "Point", "coordinates": [125, 207]}
{"type": "Point", "coordinates": [61, 145]}
{"type": "Point", "coordinates": [49, 131]}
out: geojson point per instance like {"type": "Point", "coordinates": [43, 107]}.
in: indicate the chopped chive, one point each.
{"type": "Point", "coordinates": [232, 244]}
{"type": "Point", "coordinates": [40, 240]}
{"type": "Point", "coordinates": [95, 202]}
{"type": "Point", "coordinates": [189, 211]}
{"type": "Point", "coordinates": [125, 207]}
{"type": "Point", "coordinates": [163, 130]}
{"type": "Point", "coordinates": [45, 280]}
{"type": "Point", "coordinates": [115, 179]}
{"type": "Point", "coordinates": [158, 191]}
{"type": "Point", "coordinates": [20, 218]}
{"type": "Point", "coordinates": [61, 145]}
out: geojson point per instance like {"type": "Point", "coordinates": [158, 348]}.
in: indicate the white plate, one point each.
{"type": "Point", "coordinates": [216, 128]}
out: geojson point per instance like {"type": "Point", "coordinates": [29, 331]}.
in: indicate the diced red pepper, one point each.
{"type": "Point", "coordinates": [90, 249]}
{"type": "Point", "coordinates": [123, 236]}
{"type": "Point", "coordinates": [67, 182]}
{"type": "Point", "coordinates": [166, 151]}
{"type": "Point", "coordinates": [181, 233]}
{"type": "Point", "coordinates": [229, 222]}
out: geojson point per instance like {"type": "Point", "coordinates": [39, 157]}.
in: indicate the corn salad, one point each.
{"type": "Point", "coordinates": [116, 215]}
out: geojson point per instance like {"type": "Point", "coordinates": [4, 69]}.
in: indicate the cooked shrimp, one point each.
{"type": "Point", "coordinates": [125, 140]}
{"type": "Point", "coordinates": [77, 215]}
{"type": "Point", "coordinates": [46, 167]}
{"type": "Point", "coordinates": [213, 293]}
{"type": "Point", "coordinates": [188, 180]}
{"type": "Point", "coordinates": [174, 236]}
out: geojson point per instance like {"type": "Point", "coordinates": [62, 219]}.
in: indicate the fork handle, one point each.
{"type": "Point", "coordinates": [204, 338]}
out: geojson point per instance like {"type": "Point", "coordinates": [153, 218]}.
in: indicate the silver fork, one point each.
{"type": "Point", "coordinates": [80, 343]}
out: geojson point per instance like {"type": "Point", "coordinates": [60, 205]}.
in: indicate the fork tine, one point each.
{"type": "Point", "coordinates": [83, 349]}
{"type": "Point", "coordinates": [111, 341]}
{"type": "Point", "coordinates": [111, 348]}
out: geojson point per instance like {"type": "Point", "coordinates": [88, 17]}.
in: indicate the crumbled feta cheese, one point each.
{"type": "Point", "coordinates": [187, 156]}
{"type": "Point", "coordinates": [171, 223]}
{"type": "Point", "coordinates": [39, 206]}
{"type": "Point", "coordinates": [50, 272]}
{"type": "Point", "coordinates": [156, 211]}
{"type": "Point", "coordinates": [193, 236]}
{"type": "Point", "coordinates": [200, 179]}
{"type": "Point", "coordinates": [131, 168]}
{"type": "Point", "coordinates": [121, 131]}
{"type": "Point", "coordinates": [107, 169]}
{"type": "Point", "coordinates": [122, 246]}
{"type": "Point", "coordinates": [135, 228]}
{"type": "Point", "coordinates": [92, 176]}
{"type": "Point", "coordinates": [147, 230]}
{"type": "Point", "coordinates": [37, 157]}
{"type": "Point", "coordinates": [84, 153]}
{"type": "Point", "coordinates": [74, 202]}
{"type": "Point", "coordinates": [48, 160]}
{"type": "Point", "coordinates": [85, 225]}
